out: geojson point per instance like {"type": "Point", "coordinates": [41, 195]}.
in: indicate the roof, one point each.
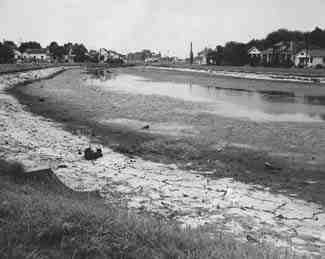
{"type": "Point", "coordinates": [112, 52]}
{"type": "Point", "coordinates": [280, 44]}
{"type": "Point", "coordinates": [205, 51]}
{"type": "Point", "coordinates": [317, 52]}
{"type": "Point", "coordinates": [268, 51]}
{"type": "Point", "coordinates": [35, 51]}
{"type": "Point", "coordinates": [116, 53]}
{"type": "Point", "coordinates": [253, 49]}
{"type": "Point", "coordinates": [201, 53]}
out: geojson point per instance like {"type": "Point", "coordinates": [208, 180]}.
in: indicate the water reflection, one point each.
{"type": "Point", "coordinates": [254, 105]}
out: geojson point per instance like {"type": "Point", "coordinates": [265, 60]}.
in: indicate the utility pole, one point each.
{"type": "Point", "coordinates": [191, 54]}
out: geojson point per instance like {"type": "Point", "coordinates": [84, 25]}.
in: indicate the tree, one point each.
{"type": "Point", "coordinates": [53, 47]}
{"type": "Point", "coordinates": [29, 45]}
{"type": "Point", "coordinates": [6, 54]}
{"type": "Point", "coordinates": [235, 54]}
{"type": "Point", "coordinates": [79, 50]}
{"type": "Point", "coordinates": [283, 35]}
{"type": "Point", "coordinates": [59, 53]}
{"type": "Point", "coordinates": [317, 37]}
{"type": "Point", "coordinates": [215, 57]}
{"type": "Point", "coordinates": [260, 44]}
{"type": "Point", "coordinates": [56, 51]}
{"type": "Point", "coordinates": [67, 48]}
{"type": "Point", "coordinates": [10, 44]}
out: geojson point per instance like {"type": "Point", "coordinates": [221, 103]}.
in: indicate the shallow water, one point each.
{"type": "Point", "coordinates": [253, 105]}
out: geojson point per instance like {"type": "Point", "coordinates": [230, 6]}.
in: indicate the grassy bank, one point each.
{"type": "Point", "coordinates": [38, 220]}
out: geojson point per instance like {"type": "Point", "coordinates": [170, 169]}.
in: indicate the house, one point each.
{"type": "Point", "coordinates": [254, 52]}
{"type": "Point", "coordinates": [111, 56]}
{"type": "Point", "coordinates": [93, 55]}
{"type": "Point", "coordinates": [116, 57]}
{"type": "Point", "coordinates": [140, 56]}
{"type": "Point", "coordinates": [302, 58]}
{"type": "Point", "coordinates": [283, 53]}
{"type": "Point", "coordinates": [69, 58]}
{"type": "Point", "coordinates": [267, 56]}
{"type": "Point", "coordinates": [254, 55]}
{"type": "Point", "coordinates": [310, 58]}
{"type": "Point", "coordinates": [36, 55]}
{"type": "Point", "coordinates": [280, 54]}
{"type": "Point", "coordinates": [317, 57]}
{"type": "Point", "coordinates": [17, 56]}
{"type": "Point", "coordinates": [136, 57]}
{"type": "Point", "coordinates": [202, 57]}
{"type": "Point", "coordinates": [205, 57]}
{"type": "Point", "coordinates": [154, 58]}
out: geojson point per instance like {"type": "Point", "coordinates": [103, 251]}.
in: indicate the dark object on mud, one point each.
{"type": "Point", "coordinates": [271, 167]}
{"type": "Point", "coordinates": [315, 80]}
{"type": "Point", "coordinates": [251, 239]}
{"type": "Point", "coordinates": [99, 72]}
{"type": "Point", "coordinates": [280, 216]}
{"type": "Point", "coordinates": [89, 154]}
{"type": "Point", "coordinates": [146, 127]}
{"type": "Point", "coordinates": [41, 99]}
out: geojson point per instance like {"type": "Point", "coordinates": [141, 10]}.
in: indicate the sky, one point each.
{"type": "Point", "coordinates": [160, 25]}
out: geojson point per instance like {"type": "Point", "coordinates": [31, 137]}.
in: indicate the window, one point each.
{"type": "Point", "coordinates": [311, 59]}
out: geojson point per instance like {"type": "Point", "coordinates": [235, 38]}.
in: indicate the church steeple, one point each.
{"type": "Point", "coordinates": [191, 54]}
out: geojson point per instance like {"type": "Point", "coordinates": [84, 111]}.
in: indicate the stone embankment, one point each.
{"type": "Point", "coordinates": [250, 75]}
{"type": "Point", "coordinates": [251, 213]}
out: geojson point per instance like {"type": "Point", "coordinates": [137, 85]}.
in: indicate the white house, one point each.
{"type": "Point", "coordinates": [254, 52]}
{"type": "Point", "coordinates": [202, 57]}
{"type": "Point", "coordinates": [310, 58]}
{"type": "Point", "coordinates": [69, 58]}
{"type": "Point", "coordinates": [18, 55]}
{"type": "Point", "coordinates": [110, 55]}
{"type": "Point", "coordinates": [36, 55]}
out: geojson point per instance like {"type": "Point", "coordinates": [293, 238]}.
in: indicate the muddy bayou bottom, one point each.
{"type": "Point", "coordinates": [250, 212]}
{"type": "Point", "coordinates": [136, 115]}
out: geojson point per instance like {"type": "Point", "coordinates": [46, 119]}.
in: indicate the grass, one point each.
{"type": "Point", "coordinates": [39, 222]}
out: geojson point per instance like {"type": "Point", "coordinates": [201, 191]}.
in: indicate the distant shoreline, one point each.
{"type": "Point", "coordinates": [297, 75]}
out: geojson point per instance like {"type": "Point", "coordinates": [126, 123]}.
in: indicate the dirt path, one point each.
{"type": "Point", "coordinates": [249, 212]}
